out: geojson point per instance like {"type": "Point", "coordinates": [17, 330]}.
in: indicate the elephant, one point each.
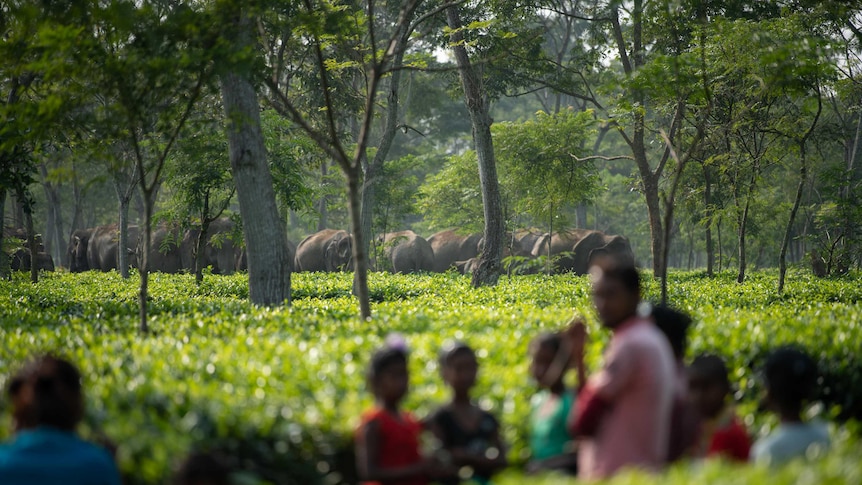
{"type": "Point", "coordinates": [219, 249]}
{"type": "Point", "coordinates": [450, 247]}
{"type": "Point", "coordinates": [527, 238]}
{"type": "Point", "coordinates": [76, 253]}
{"type": "Point", "coordinates": [326, 250]}
{"type": "Point", "coordinates": [561, 246]}
{"type": "Point", "coordinates": [21, 261]}
{"type": "Point", "coordinates": [103, 243]}
{"type": "Point", "coordinates": [598, 244]}
{"type": "Point", "coordinates": [408, 252]}
{"type": "Point", "coordinates": [164, 255]}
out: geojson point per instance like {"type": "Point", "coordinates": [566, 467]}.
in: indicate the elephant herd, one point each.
{"type": "Point", "coordinates": [407, 252]}
{"type": "Point", "coordinates": [171, 249]}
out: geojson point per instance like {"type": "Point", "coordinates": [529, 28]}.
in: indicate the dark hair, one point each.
{"type": "Point", "coordinates": [620, 269]}
{"type": "Point", "coordinates": [790, 376]}
{"type": "Point", "coordinates": [550, 340]}
{"type": "Point", "coordinates": [712, 367]}
{"type": "Point", "coordinates": [202, 468]}
{"type": "Point", "coordinates": [57, 395]}
{"type": "Point", "coordinates": [674, 325]}
{"type": "Point", "coordinates": [383, 358]}
{"type": "Point", "coordinates": [450, 350]}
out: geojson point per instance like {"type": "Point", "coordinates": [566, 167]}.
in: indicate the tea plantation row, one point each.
{"type": "Point", "coordinates": [280, 390]}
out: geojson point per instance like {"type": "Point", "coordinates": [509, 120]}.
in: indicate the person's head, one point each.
{"type": "Point", "coordinates": [674, 325]}
{"type": "Point", "coordinates": [616, 290]}
{"type": "Point", "coordinates": [708, 384]}
{"type": "Point", "coordinates": [387, 374]}
{"type": "Point", "coordinates": [202, 469]}
{"type": "Point", "coordinates": [458, 366]}
{"type": "Point", "coordinates": [47, 392]}
{"type": "Point", "coordinates": [790, 376]}
{"type": "Point", "coordinates": [543, 353]}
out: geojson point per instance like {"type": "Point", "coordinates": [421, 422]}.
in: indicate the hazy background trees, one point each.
{"type": "Point", "coordinates": [585, 104]}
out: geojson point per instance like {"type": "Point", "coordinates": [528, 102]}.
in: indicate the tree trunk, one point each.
{"type": "Point", "coordinates": [123, 242]}
{"type": "Point", "coordinates": [4, 258]}
{"type": "Point", "coordinates": [322, 221]}
{"type": "Point", "coordinates": [488, 271]}
{"type": "Point", "coordinates": [655, 223]}
{"type": "Point", "coordinates": [360, 256]}
{"type": "Point", "coordinates": [710, 215]}
{"type": "Point", "coordinates": [31, 241]}
{"type": "Point", "coordinates": [743, 223]}
{"type": "Point", "coordinates": [265, 240]}
{"type": "Point", "coordinates": [144, 262]}
{"type": "Point", "coordinates": [581, 216]}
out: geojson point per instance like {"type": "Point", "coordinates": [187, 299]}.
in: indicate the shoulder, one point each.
{"type": "Point", "coordinates": [489, 420]}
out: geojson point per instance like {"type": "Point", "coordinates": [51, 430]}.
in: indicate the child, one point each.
{"type": "Point", "coordinates": [202, 469]}
{"type": "Point", "coordinates": [685, 422]}
{"type": "Point", "coordinates": [387, 441]}
{"type": "Point", "coordinates": [722, 434]}
{"type": "Point", "coordinates": [790, 376]}
{"type": "Point", "coordinates": [550, 442]}
{"type": "Point", "coordinates": [48, 405]}
{"type": "Point", "coordinates": [470, 435]}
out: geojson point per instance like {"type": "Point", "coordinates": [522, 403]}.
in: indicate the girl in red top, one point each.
{"type": "Point", "coordinates": [387, 441]}
{"type": "Point", "coordinates": [722, 434]}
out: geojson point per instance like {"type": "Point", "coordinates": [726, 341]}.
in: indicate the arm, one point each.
{"type": "Point", "coordinates": [367, 458]}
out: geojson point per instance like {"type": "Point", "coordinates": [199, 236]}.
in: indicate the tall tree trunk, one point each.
{"type": "Point", "coordinates": [265, 240]}
{"type": "Point", "coordinates": [144, 262]}
{"type": "Point", "coordinates": [4, 258]}
{"type": "Point", "coordinates": [360, 256]}
{"type": "Point", "coordinates": [581, 216]}
{"type": "Point", "coordinates": [322, 210]}
{"type": "Point", "coordinates": [31, 240]}
{"type": "Point", "coordinates": [743, 224]}
{"type": "Point", "coordinates": [488, 271]}
{"type": "Point", "coordinates": [709, 216]}
{"type": "Point", "coordinates": [123, 242]}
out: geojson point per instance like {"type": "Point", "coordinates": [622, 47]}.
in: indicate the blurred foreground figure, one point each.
{"type": "Point", "coordinates": [202, 469]}
{"type": "Point", "coordinates": [623, 414]}
{"type": "Point", "coordinates": [790, 377]}
{"type": "Point", "coordinates": [47, 406]}
{"type": "Point", "coordinates": [723, 434]}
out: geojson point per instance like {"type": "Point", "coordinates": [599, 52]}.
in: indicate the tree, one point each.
{"type": "Point", "coordinates": [263, 229]}
{"type": "Point", "coordinates": [328, 24]}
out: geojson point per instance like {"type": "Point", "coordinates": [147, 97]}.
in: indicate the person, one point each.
{"type": "Point", "coordinates": [685, 426]}
{"type": "Point", "coordinates": [48, 404]}
{"type": "Point", "coordinates": [201, 468]}
{"type": "Point", "coordinates": [387, 440]}
{"type": "Point", "coordinates": [722, 435]}
{"type": "Point", "coordinates": [623, 412]}
{"type": "Point", "coordinates": [551, 444]}
{"type": "Point", "coordinates": [470, 435]}
{"type": "Point", "coordinates": [790, 376]}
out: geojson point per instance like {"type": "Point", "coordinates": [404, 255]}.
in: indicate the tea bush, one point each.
{"type": "Point", "coordinates": [280, 390]}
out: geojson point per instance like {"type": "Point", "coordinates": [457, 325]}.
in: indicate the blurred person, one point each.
{"type": "Point", "coordinates": [468, 434]}
{"type": "Point", "coordinates": [552, 447]}
{"type": "Point", "coordinates": [48, 404]}
{"type": "Point", "coordinates": [722, 435]}
{"type": "Point", "coordinates": [685, 425]}
{"type": "Point", "coordinates": [790, 377]}
{"type": "Point", "coordinates": [387, 441]}
{"type": "Point", "coordinates": [623, 414]}
{"type": "Point", "coordinates": [202, 469]}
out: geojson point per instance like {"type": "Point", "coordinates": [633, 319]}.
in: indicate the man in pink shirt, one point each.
{"type": "Point", "coordinates": [623, 414]}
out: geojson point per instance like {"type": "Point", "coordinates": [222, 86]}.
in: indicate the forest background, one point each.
{"type": "Point", "coordinates": [712, 134]}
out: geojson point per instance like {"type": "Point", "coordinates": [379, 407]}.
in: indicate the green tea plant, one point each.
{"type": "Point", "coordinates": [280, 390]}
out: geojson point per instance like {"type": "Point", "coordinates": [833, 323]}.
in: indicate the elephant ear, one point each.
{"type": "Point", "coordinates": [343, 248]}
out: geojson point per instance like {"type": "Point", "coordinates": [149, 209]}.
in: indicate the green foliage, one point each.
{"type": "Point", "coordinates": [282, 389]}
{"type": "Point", "coordinates": [452, 197]}
{"type": "Point", "coordinates": [539, 164]}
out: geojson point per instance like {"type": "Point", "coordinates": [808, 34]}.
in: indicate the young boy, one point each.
{"type": "Point", "coordinates": [790, 376]}
{"type": "Point", "coordinates": [722, 435]}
